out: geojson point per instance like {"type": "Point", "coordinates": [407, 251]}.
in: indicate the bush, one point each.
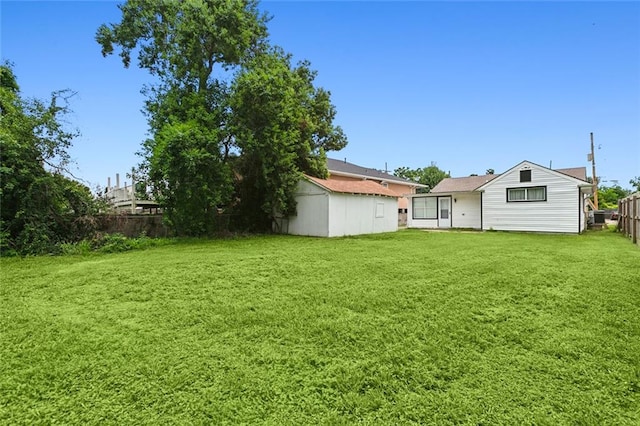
{"type": "Point", "coordinates": [110, 243]}
{"type": "Point", "coordinates": [80, 248]}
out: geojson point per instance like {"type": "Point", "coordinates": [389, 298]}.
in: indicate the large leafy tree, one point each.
{"type": "Point", "coordinates": [41, 206]}
{"type": "Point", "coordinates": [283, 125]}
{"type": "Point", "coordinates": [188, 46]}
{"type": "Point", "coordinates": [261, 129]}
{"type": "Point", "coordinates": [430, 175]}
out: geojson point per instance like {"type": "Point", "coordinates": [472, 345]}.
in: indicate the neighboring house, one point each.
{"type": "Point", "coordinates": [332, 208]}
{"type": "Point", "coordinates": [527, 197]}
{"type": "Point", "coordinates": [341, 170]}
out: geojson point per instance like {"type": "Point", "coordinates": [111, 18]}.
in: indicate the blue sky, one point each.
{"type": "Point", "coordinates": [467, 85]}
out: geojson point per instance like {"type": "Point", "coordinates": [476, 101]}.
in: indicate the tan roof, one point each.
{"type": "Point", "coordinates": [462, 184]}
{"type": "Point", "coordinates": [366, 187]}
{"type": "Point", "coordinates": [576, 172]}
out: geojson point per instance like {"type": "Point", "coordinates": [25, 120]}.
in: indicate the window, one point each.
{"type": "Point", "coordinates": [525, 175]}
{"type": "Point", "coordinates": [425, 208]}
{"type": "Point", "coordinates": [535, 193]}
{"type": "Point", "coordinates": [380, 210]}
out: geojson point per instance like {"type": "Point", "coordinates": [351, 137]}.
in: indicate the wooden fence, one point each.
{"type": "Point", "coordinates": [629, 220]}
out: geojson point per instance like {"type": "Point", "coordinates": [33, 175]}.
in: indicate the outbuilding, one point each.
{"type": "Point", "coordinates": [332, 208]}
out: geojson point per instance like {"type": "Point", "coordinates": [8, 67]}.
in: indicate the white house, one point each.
{"type": "Point", "coordinates": [332, 208]}
{"type": "Point", "coordinates": [527, 197]}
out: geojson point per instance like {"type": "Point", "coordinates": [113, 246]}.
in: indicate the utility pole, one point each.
{"type": "Point", "coordinates": [592, 157]}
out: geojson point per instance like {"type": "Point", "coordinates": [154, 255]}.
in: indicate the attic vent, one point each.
{"type": "Point", "coordinates": [525, 175]}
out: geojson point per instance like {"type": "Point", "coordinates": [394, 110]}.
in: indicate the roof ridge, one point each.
{"type": "Point", "coordinates": [343, 166]}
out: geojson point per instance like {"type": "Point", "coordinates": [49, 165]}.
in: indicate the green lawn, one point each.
{"type": "Point", "coordinates": [411, 327]}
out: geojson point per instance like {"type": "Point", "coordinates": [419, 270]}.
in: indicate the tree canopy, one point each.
{"type": "Point", "coordinates": [608, 196]}
{"type": "Point", "coordinates": [182, 41]}
{"type": "Point", "coordinates": [184, 163]}
{"type": "Point", "coordinates": [238, 138]}
{"type": "Point", "coordinates": [41, 206]}
{"type": "Point", "coordinates": [282, 126]}
{"type": "Point", "coordinates": [430, 175]}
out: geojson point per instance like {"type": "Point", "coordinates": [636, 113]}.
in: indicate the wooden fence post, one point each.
{"type": "Point", "coordinates": [629, 220]}
{"type": "Point", "coordinates": [635, 218]}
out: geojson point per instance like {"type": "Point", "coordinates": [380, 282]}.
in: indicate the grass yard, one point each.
{"type": "Point", "coordinates": [411, 327]}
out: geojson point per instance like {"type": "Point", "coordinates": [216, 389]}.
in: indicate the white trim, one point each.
{"type": "Point", "coordinates": [529, 164]}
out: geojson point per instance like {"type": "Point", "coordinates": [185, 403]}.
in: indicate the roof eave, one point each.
{"type": "Point", "coordinates": [381, 178]}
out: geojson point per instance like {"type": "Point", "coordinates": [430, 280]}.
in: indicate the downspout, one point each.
{"type": "Point", "coordinates": [579, 213]}
{"type": "Point", "coordinates": [481, 212]}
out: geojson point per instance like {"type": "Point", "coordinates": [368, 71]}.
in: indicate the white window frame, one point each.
{"type": "Point", "coordinates": [424, 208]}
{"type": "Point", "coordinates": [528, 194]}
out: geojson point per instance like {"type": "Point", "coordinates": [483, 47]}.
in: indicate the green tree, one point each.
{"type": "Point", "coordinates": [283, 126]}
{"type": "Point", "coordinates": [270, 123]}
{"type": "Point", "coordinates": [181, 42]}
{"type": "Point", "coordinates": [407, 173]}
{"type": "Point", "coordinates": [188, 46]}
{"type": "Point", "coordinates": [184, 166]}
{"type": "Point", "coordinates": [635, 184]}
{"type": "Point", "coordinates": [41, 207]}
{"type": "Point", "coordinates": [608, 196]}
{"type": "Point", "coordinates": [430, 175]}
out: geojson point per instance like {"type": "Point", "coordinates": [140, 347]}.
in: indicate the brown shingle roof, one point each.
{"type": "Point", "coordinates": [340, 166]}
{"type": "Point", "coordinates": [576, 172]}
{"type": "Point", "coordinates": [463, 184]}
{"type": "Point", "coordinates": [366, 187]}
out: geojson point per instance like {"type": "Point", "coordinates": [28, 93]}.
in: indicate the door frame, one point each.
{"type": "Point", "coordinates": [445, 223]}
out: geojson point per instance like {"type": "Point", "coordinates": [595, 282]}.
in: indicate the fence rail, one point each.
{"type": "Point", "coordinates": [629, 220]}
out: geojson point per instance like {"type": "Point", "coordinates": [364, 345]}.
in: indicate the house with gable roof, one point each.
{"type": "Point", "coordinates": [528, 197]}
{"type": "Point", "coordinates": [341, 170]}
{"type": "Point", "coordinates": [353, 200]}
{"type": "Point", "coordinates": [334, 208]}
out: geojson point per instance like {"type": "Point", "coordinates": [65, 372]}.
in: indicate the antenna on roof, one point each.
{"type": "Point", "coordinates": [345, 159]}
{"type": "Point", "coordinates": [386, 170]}
{"type": "Point", "coordinates": [550, 164]}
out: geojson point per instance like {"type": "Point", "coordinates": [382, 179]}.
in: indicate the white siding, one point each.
{"type": "Point", "coordinates": [465, 210]}
{"type": "Point", "coordinates": [559, 213]}
{"type": "Point", "coordinates": [352, 214]}
{"type": "Point", "coordinates": [321, 213]}
{"type": "Point", "coordinates": [312, 211]}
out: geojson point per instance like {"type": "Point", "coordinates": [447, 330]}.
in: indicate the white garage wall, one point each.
{"type": "Point", "coordinates": [312, 208]}
{"type": "Point", "coordinates": [352, 214]}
